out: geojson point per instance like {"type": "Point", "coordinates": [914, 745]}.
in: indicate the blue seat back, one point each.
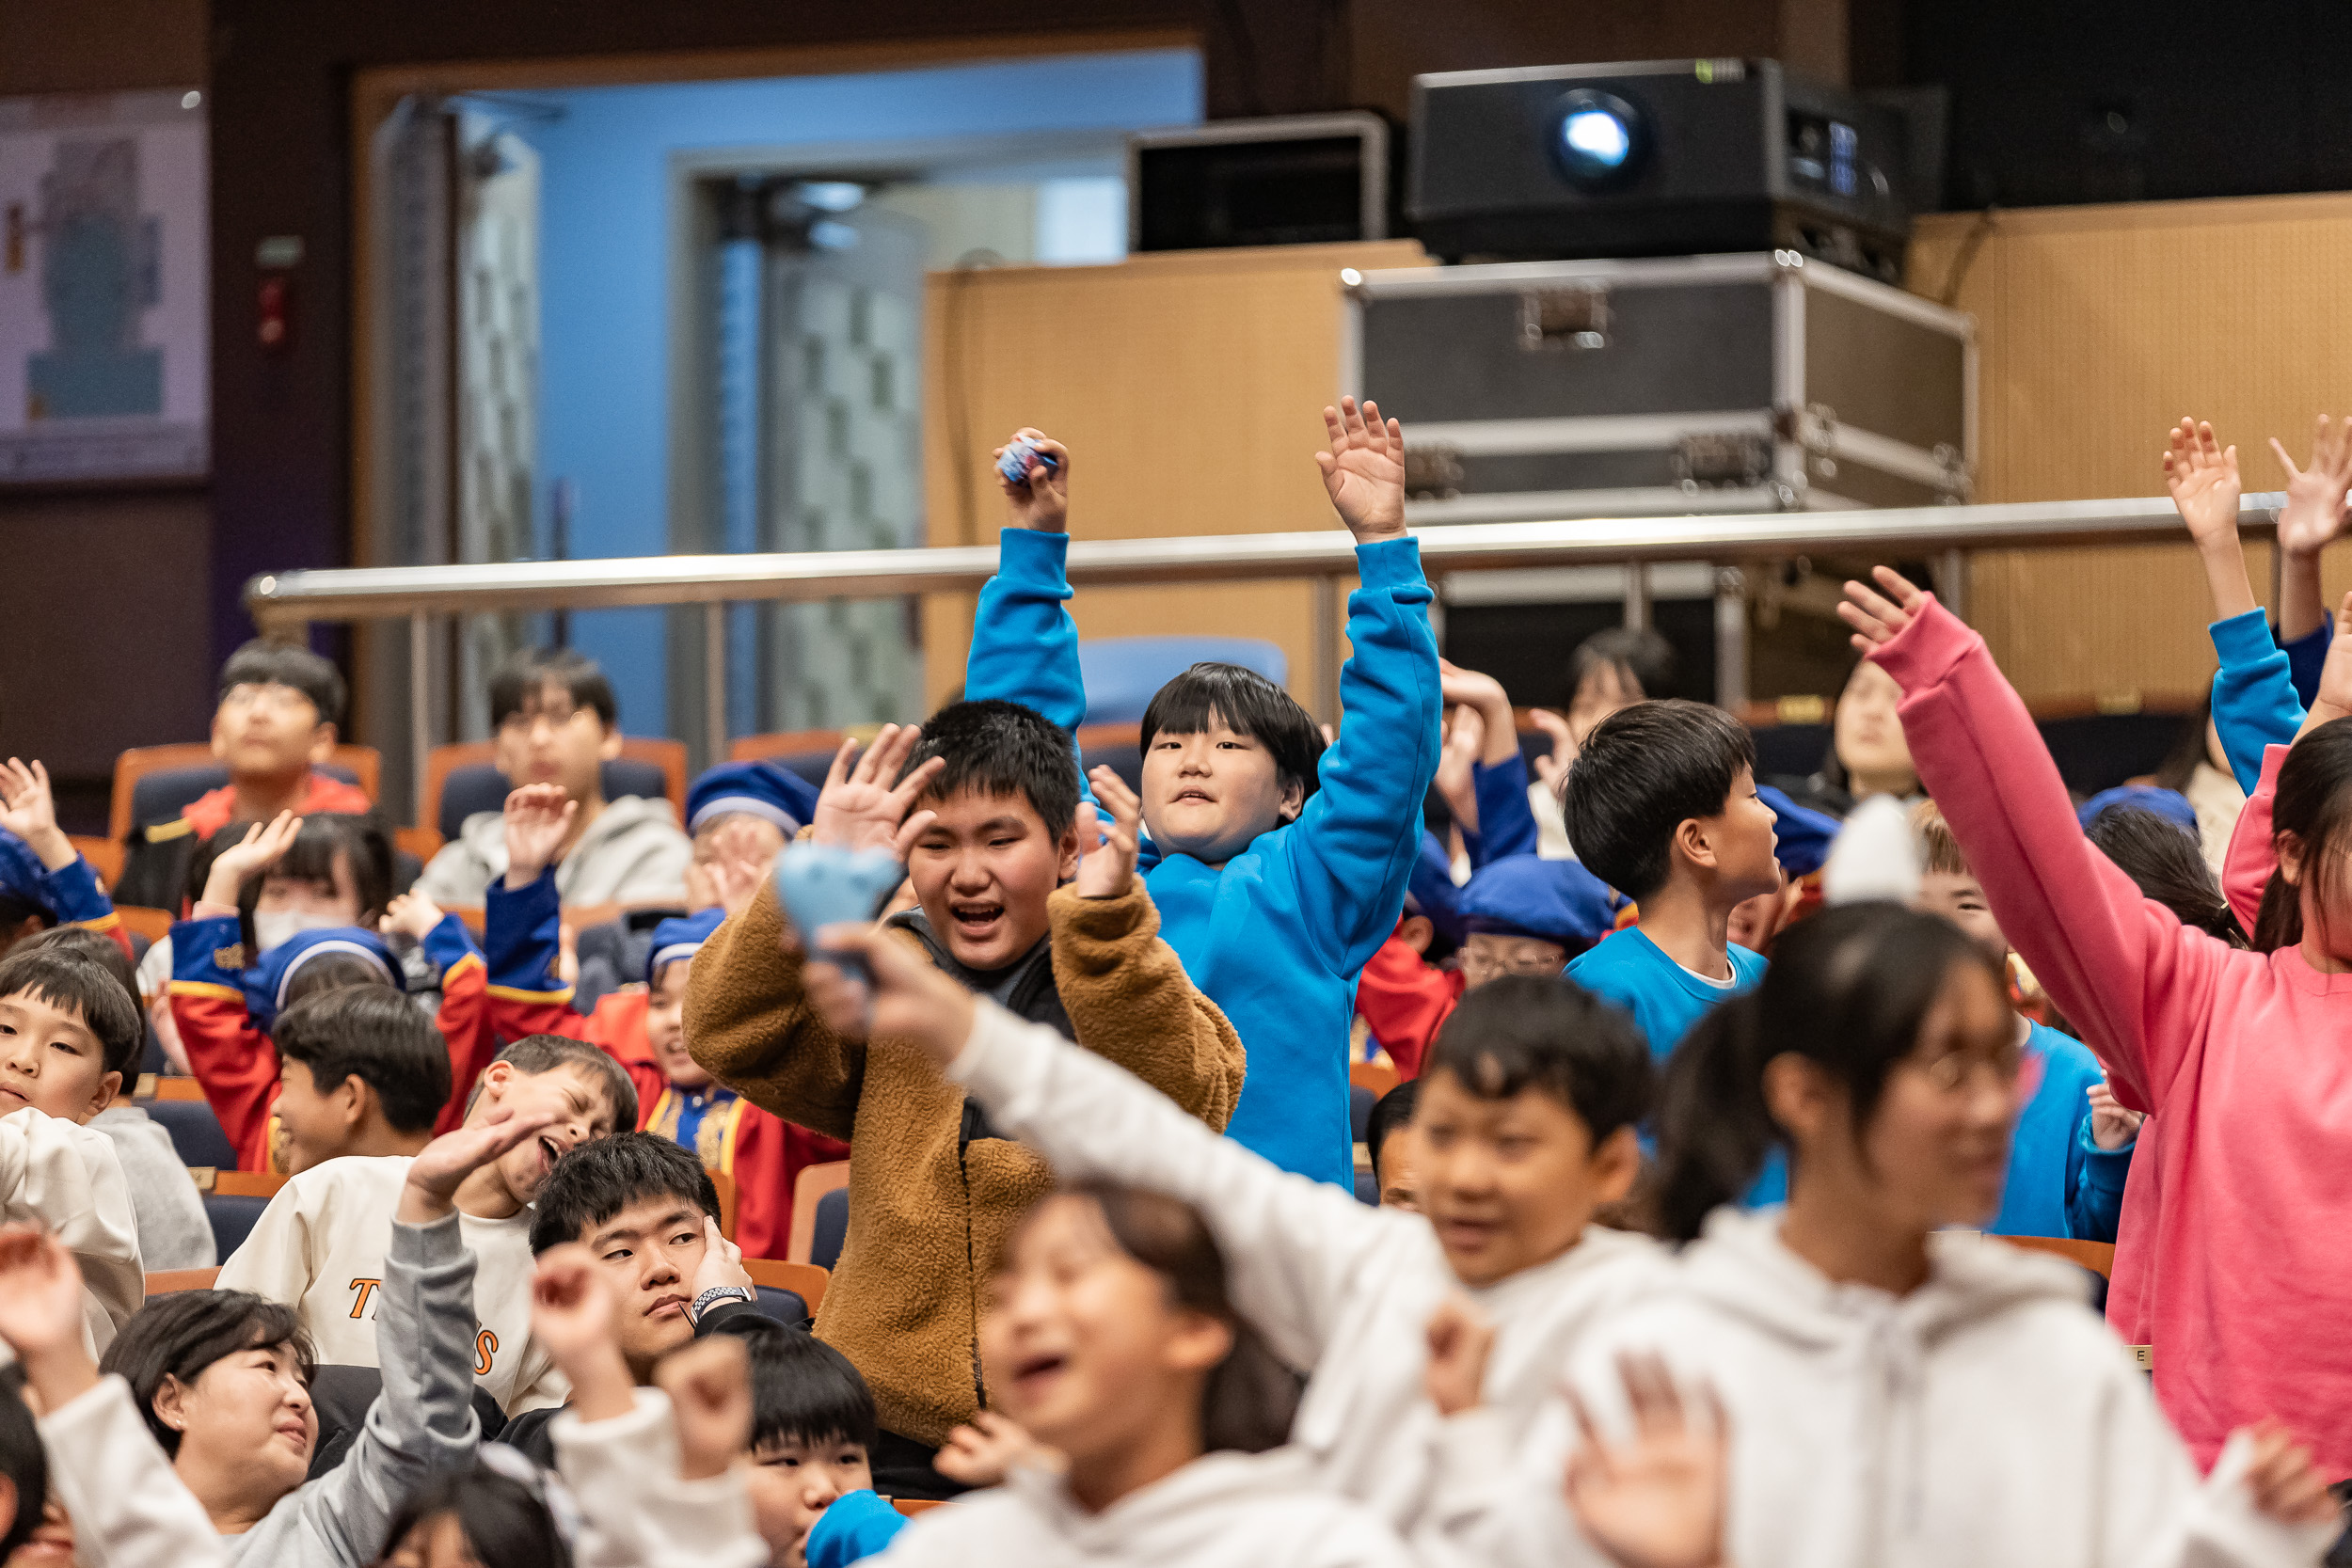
{"type": "Point", "coordinates": [831, 1229]}
{"type": "Point", "coordinates": [1122, 673]}
{"type": "Point", "coordinates": [785, 1306]}
{"type": "Point", "coordinates": [1359, 1103]}
{"type": "Point", "coordinates": [1367, 1189]}
{"type": "Point", "coordinates": [232, 1219]}
{"type": "Point", "coordinates": [195, 1134]}
{"type": "Point", "coordinates": [482, 787]}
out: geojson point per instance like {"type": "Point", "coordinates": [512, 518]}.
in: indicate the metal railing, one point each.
{"type": "Point", "coordinates": [284, 603]}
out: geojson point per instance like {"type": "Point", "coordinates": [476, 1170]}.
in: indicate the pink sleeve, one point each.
{"type": "Point", "coordinates": [2135, 984]}
{"type": "Point", "coordinates": [2246, 869]}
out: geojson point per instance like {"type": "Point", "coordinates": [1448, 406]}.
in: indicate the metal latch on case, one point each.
{"type": "Point", "coordinates": [1576, 317]}
{"type": "Point", "coordinates": [1722, 457]}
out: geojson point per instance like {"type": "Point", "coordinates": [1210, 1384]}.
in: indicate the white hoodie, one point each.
{"type": "Point", "coordinates": [1986, 1418]}
{"type": "Point", "coordinates": [634, 852]}
{"type": "Point", "coordinates": [1221, 1511]}
{"type": "Point", "coordinates": [1341, 1290]}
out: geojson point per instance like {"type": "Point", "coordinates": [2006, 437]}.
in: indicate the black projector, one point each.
{"type": "Point", "coordinates": [1656, 158]}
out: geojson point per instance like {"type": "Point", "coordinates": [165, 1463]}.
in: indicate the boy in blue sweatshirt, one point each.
{"type": "Point", "coordinates": [1662, 804]}
{"type": "Point", "coordinates": [1278, 868]}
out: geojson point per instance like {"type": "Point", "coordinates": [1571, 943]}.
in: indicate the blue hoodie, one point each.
{"type": "Point", "coordinates": [2260, 692]}
{"type": "Point", "coordinates": [2045, 1158]}
{"type": "Point", "coordinates": [1279, 935]}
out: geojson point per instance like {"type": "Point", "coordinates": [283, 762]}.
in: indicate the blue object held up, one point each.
{"type": "Point", "coordinates": [823, 884]}
{"type": "Point", "coordinates": [1019, 454]}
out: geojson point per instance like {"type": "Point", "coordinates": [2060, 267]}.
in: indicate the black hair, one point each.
{"type": "Point", "coordinates": [310, 858]}
{"type": "Point", "coordinates": [180, 1335]}
{"type": "Point", "coordinates": [538, 1053]}
{"type": "Point", "coordinates": [805, 1392]}
{"type": "Point", "coordinates": [1390, 1112]}
{"type": "Point", "coordinates": [1546, 1032]}
{"type": "Point", "coordinates": [15, 912]}
{"type": "Point", "coordinates": [1848, 990]}
{"type": "Point", "coordinates": [261, 662]}
{"type": "Point", "coordinates": [993, 747]}
{"type": "Point", "coordinates": [332, 971]}
{"type": "Point", "coordinates": [1643, 771]}
{"type": "Point", "coordinates": [22, 1461]}
{"type": "Point", "coordinates": [2314, 802]}
{"type": "Point", "coordinates": [1249, 1397]}
{"type": "Point", "coordinates": [598, 1179]}
{"type": "Point", "coordinates": [519, 682]}
{"type": "Point", "coordinates": [505, 1520]}
{"type": "Point", "coordinates": [107, 955]}
{"type": "Point", "coordinates": [64, 978]}
{"type": "Point", "coordinates": [2165, 862]}
{"type": "Point", "coordinates": [2191, 745]}
{"type": "Point", "coordinates": [378, 1035]}
{"type": "Point", "coordinates": [1642, 659]}
{"type": "Point", "coordinates": [1249, 704]}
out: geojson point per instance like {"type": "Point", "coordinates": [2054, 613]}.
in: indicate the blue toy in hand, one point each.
{"type": "Point", "coordinates": [1019, 454]}
{"type": "Point", "coordinates": [823, 884]}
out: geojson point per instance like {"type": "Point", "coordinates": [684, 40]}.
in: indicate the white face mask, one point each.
{"type": "Point", "coordinates": [278, 925]}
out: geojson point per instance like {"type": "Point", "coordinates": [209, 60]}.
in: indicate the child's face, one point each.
{"type": "Point", "coordinates": [438, 1541]}
{"type": "Point", "coordinates": [650, 1251]}
{"type": "Point", "coordinates": [287, 905]}
{"type": "Point", "coordinates": [266, 731]}
{"type": "Point", "coordinates": [1959, 899]}
{"type": "Point", "coordinates": [1208, 795]}
{"type": "Point", "coordinates": [1400, 1174]}
{"type": "Point", "coordinates": [1867, 733]}
{"type": "Point", "coordinates": [50, 1060]}
{"type": "Point", "coordinates": [982, 872]}
{"type": "Point", "coordinates": [52, 1543]}
{"type": "Point", "coordinates": [1083, 1345]}
{"type": "Point", "coordinates": [1510, 1183]}
{"type": "Point", "coordinates": [1604, 690]}
{"type": "Point", "coordinates": [1753, 924]}
{"type": "Point", "coordinates": [1935, 1151]}
{"type": "Point", "coordinates": [582, 1108]}
{"type": "Point", "coordinates": [1487, 954]}
{"type": "Point", "coordinates": [551, 740]}
{"type": "Point", "coordinates": [317, 1127]}
{"type": "Point", "coordinates": [1739, 839]}
{"type": "Point", "coordinates": [792, 1481]}
{"type": "Point", "coordinates": [665, 1026]}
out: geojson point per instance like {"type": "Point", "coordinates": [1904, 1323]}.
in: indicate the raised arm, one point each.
{"type": "Point", "coordinates": [234, 1063]}
{"type": "Point", "coordinates": [1353, 843]}
{"type": "Point", "coordinates": [2203, 477]}
{"type": "Point", "coordinates": [66, 1178]}
{"type": "Point", "coordinates": [1501, 822]}
{"type": "Point", "coordinates": [1292, 1245]}
{"type": "Point", "coordinates": [69, 883]}
{"type": "Point", "coordinates": [2313, 516]}
{"type": "Point", "coordinates": [2118, 965]}
{"type": "Point", "coordinates": [1025, 645]}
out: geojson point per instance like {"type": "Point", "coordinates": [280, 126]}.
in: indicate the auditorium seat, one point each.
{"type": "Point", "coordinates": [233, 1217]}
{"type": "Point", "coordinates": [461, 780]}
{"type": "Point", "coordinates": [1121, 673]}
{"type": "Point", "coordinates": [831, 1229]}
{"type": "Point", "coordinates": [196, 1132]}
{"type": "Point", "coordinates": [1359, 1103]}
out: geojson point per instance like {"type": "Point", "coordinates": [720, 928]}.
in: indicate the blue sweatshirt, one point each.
{"type": "Point", "coordinates": [2255, 702]}
{"type": "Point", "coordinates": [1666, 999]}
{"type": "Point", "coordinates": [1506, 823]}
{"type": "Point", "coordinates": [1278, 936]}
{"type": "Point", "coordinates": [2045, 1158]}
{"type": "Point", "coordinates": [2095, 1210]}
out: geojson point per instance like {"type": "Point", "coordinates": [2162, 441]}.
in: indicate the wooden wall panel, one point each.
{"type": "Point", "coordinates": [1189, 388]}
{"type": "Point", "coordinates": [2100, 326]}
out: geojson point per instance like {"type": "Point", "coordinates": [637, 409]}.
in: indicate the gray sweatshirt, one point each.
{"type": "Point", "coordinates": [634, 852]}
{"type": "Point", "coordinates": [173, 1231]}
{"type": "Point", "coordinates": [131, 1509]}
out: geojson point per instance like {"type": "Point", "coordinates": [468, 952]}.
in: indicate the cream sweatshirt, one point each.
{"type": "Point", "coordinates": [319, 1248]}
{"type": "Point", "coordinates": [636, 1510]}
{"type": "Point", "coordinates": [1221, 1511]}
{"type": "Point", "coordinates": [1987, 1416]}
{"type": "Point", "coordinates": [1340, 1289]}
{"type": "Point", "coordinates": [67, 1177]}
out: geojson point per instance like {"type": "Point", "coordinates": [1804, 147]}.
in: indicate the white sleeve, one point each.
{"type": "Point", "coordinates": [2155, 1513]}
{"type": "Point", "coordinates": [66, 1177]}
{"type": "Point", "coordinates": [128, 1506]}
{"type": "Point", "coordinates": [275, 1261]}
{"type": "Point", "coordinates": [636, 1510]}
{"type": "Point", "coordinates": [1292, 1245]}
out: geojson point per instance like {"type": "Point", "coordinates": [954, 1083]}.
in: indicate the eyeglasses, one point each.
{"type": "Point", "coordinates": [1479, 964]}
{"type": "Point", "coordinates": [265, 694]}
{"type": "Point", "coordinates": [522, 721]}
{"type": "Point", "coordinates": [1951, 1072]}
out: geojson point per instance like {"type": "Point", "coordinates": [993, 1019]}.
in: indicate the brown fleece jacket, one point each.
{"type": "Point", "coordinates": [929, 1212]}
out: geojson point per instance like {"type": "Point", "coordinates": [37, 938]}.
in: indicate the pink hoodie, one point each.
{"type": "Point", "coordinates": [2246, 1058]}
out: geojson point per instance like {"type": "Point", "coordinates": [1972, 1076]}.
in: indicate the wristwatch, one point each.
{"type": "Point", "coordinates": [718, 1294]}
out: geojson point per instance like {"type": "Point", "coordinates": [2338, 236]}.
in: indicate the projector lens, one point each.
{"type": "Point", "coordinates": [1597, 138]}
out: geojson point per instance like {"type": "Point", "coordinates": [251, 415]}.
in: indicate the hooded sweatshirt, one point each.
{"type": "Point", "coordinates": [1278, 935]}
{"type": "Point", "coordinates": [2241, 1055]}
{"type": "Point", "coordinates": [1984, 1418]}
{"type": "Point", "coordinates": [1338, 1290]}
{"type": "Point", "coordinates": [634, 852]}
{"type": "Point", "coordinates": [1221, 1510]}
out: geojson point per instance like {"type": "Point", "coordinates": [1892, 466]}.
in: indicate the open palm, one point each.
{"type": "Point", "coordinates": [2203, 477]}
{"type": "Point", "coordinates": [2314, 513]}
{"type": "Point", "coordinates": [1364, 470]}
{"type": "Point", "coordinates": [1657, 1500]}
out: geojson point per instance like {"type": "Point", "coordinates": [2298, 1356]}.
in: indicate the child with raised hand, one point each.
{"type": "Point", "coordinates": [189, 1442]}
{"type": "Point", "coordinates": [1662, 806]}
{"type": "Point", "coordinates": [1897, 1390]}
{"type": "Point", "coordinates": [1482, 773]}
{"type": "Point", "coordinates": [1522, 1128]}
{"type": "Point", "coordinates": [2229, 1050]}
{"type": "Point", "coordinates": [1277, 869]}
{"type": "Point", "coordinates": [1025, 894]}
{"type": "Point", "coordinates": [44, 882]}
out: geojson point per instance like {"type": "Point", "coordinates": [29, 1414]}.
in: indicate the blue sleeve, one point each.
{"type": "Point", "coordinates": [2306, 656]}
{"type": "Point", "coordinates": [73, 891]}
{"type": "Point", "coordinates": [2254, 702]}
{"type": "Point", "coordinates": [522, 938]}
{"type": "Point", "coordinates": [1025, 645]}
{"type": "Point", "coordinates": [209, 952]}
{"type": "Point", "coordinates": [449, 943]}
{"type": "Point", "coordinates": [2094, 1188]}
{"type": "Point", "coordinates": [1353, 848]}
{"type": "Point", "coordinates": [1506, 823]}
{"type": "Point", "coordinates": [856, 1526]}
